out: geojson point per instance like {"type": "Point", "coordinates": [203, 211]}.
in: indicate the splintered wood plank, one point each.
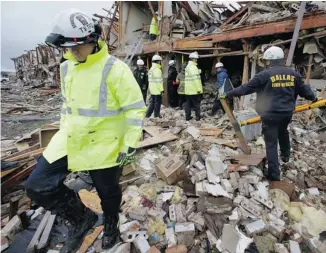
{"type": "Point", "coordinates": [32, 148]}
{"type": "Point", "coordinates": [89, 239]}
{"type": "Point", "coordinates": [251, 159]}
{"type": "Point", "coordinates": [242, 141]}
{"type": "Point", "coordinates": [157, 138]}
{"type": "Point", "coordinates": [211, 131]}
{"type": "Point", "coordinates": [225, 142]}
{"type": "Point", "coordinates": [39, 231]}
{"type": "Point", "coordinates": [91, 200]}
{"type": "Point", "coordinates": [26, 155]}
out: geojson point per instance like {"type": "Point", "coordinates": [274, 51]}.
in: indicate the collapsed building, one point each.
{"type": "Point", "coordinates": [236, 34]}
{"type": "Point", "coordinates": [39, 67]}
{"type": "Point", "coordinates": [191, 189]}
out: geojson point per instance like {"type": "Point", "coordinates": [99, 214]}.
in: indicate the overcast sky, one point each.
{"type": "Point", "coordinates": [25, 24]}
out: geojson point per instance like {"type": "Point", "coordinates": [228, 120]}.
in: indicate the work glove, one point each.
{"type": "Point", "coordinates": [222, 95]}
{"type": "Point", "coordinates": [126, 157]}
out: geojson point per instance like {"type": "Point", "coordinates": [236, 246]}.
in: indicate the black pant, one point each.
{"type": "Point", "coordinates": [217, 105]}
{"type": "Point", "coordinates": [152, 37]}
{"type": "Point", "coordinates": [192, 101]}
{"type": "Point", "coordinates": [173, 94]}
{"type": "Point", "coordinates": [182, 100]}
{"type": "Point", "coordinates": [45, 185]}
{"type": "Point", "coordinates": [154, 105]}
{"type": "Point", "coordinates": [144, 92]}
{"type": "Point", "coordinates": [275, 131]}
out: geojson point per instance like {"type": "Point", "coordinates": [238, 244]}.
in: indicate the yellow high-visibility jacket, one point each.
{"type": "Point", "coordinates": [193, 85]}
{"type": "Point", "coordinates": [102, 112]}
{"type": "Point", "coordinates": [153, 29]}
{"type": "Point", "coordinates": [155, 79]}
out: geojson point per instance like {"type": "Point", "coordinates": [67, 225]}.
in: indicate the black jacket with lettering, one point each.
{"type": "Point", "coordinates": [142, 78]}
{"type": "Point", "coordinates": [277, 89]}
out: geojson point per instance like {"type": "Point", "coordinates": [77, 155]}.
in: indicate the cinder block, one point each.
{"type": "Point", "coordinates": [184, 227]}
{"type": "Point", "coordinates": [200, 176]}
{"type": "Point", "coordinates": [198, 220]}
{"type": "Point", "coordinates": [234, 177]}
{"type": "Point", "coordinates": [180, 213]}
{"type": "Point", "coordinates": [199, 165]}
{"type": "Point", "coordinates": [169, 188]}
{"type": "Point", "coordinates": [215, 165]}
{"type": "Point", "coordinates": [131, 236]}
{"type": "Point", "coordinates": [255, 227]}
{"type": "Point", "coordinates": [201, 189]}
{"type": "Point", "coordinates": [170, 237]}
{"type": "Point", "coordinates": [185, 233]}
{"type": "Point", "coordinates": [251, 207]}
{"type": "Point", "coordinates": [262, 200]}
{"type": "Point", "coordinates": [141, 244]}
{"type": "Point", "coordinates": [275, 229]}
{"type": "Point", "coordinates": [172, 214]}
{"type": "Point", "coordinates": [237, 200]}
{"type": "Point", "coordinates": [227, 186]}
{"type": "Point", "coordinates": [243, 187]}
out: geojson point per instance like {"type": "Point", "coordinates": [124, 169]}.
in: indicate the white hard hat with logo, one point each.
{"type": "Point", "coordinates": [194, 55]}
{"type": "Point", "coordinates": [219, 65]}
{"type": "Point", "coordinates": [156, 58]}
{"type": "Point", "coordinates": [140, 62]}
{"type": "Point", "coordinates": [172, 62]}
{"type": "Point", "coordinates": [71, 28]}
{"type": "Point", "coordinates": [273, 53]}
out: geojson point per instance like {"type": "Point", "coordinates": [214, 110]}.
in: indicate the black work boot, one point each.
{"type": "Point", "coordinates": [111, 231]}
{"type": "Point", "coordinates": [81, 220]}
{"type": "Point", "coordinates": [285, 158]}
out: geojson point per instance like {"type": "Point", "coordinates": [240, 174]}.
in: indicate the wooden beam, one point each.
{"type": "Point", "coordinates": [235, 15]}
{"type": "Point", "coordinates": [153, 47]}
{"type": "Point", "coordinates": [191, 44]}
{"type": "Point", "coordinates": [113, 16]}
{"type": "Point", "coordinates": [263, 29]}
{"type": "Point", "coordinates": [296, 33]}
{"type": "Point", "coordinates": [309, 69]}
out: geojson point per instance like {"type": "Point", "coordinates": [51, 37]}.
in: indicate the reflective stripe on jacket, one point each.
{"type": "Point", "coordinates": [181, 82]}
{"type": "Point", "coordinates": [155, 79]}
{"type": "Point", "coordinates": [102, 112]}
{"type": "Point", "coordinates": [153, 29]}
{"type": "Point", "coordinates": [193, 83]}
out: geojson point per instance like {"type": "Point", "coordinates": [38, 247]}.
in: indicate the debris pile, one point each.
{"type": "Point", "coordinates": [191, 190]}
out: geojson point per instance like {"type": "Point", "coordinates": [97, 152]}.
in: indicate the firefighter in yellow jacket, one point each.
{"type": "Point", "coordinates": [153, 28]}
{"type": "Point", "coordinates": [101, 123]}
{"type": "Point", "coordinates": [193, 87]}
{"type": "Point", "coordinates": [155, 83]}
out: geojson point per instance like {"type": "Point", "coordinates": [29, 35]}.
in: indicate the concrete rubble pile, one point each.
{"type": "Point", "coordinates": [205, 202]}
{"type": "Point", "coordinates": [195, 194]}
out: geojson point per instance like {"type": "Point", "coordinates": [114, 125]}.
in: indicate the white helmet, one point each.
{"type": "Point", "coordinates": [156, 57]}
{"type": "Point", "coordinates": [219, 65]}
{"type": "Point", "coordinates": [194, 55]}
{"type": "Point", "coordinates": [273, 53]}
{"type": "Point", "coordinates": [172, 62]}
{"type": "Point", "coordinates": [72, 27]}
{"type": "Point", "coordinates": [140, 62]}
{"type": "Point", "coordinates": [156, 12]}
